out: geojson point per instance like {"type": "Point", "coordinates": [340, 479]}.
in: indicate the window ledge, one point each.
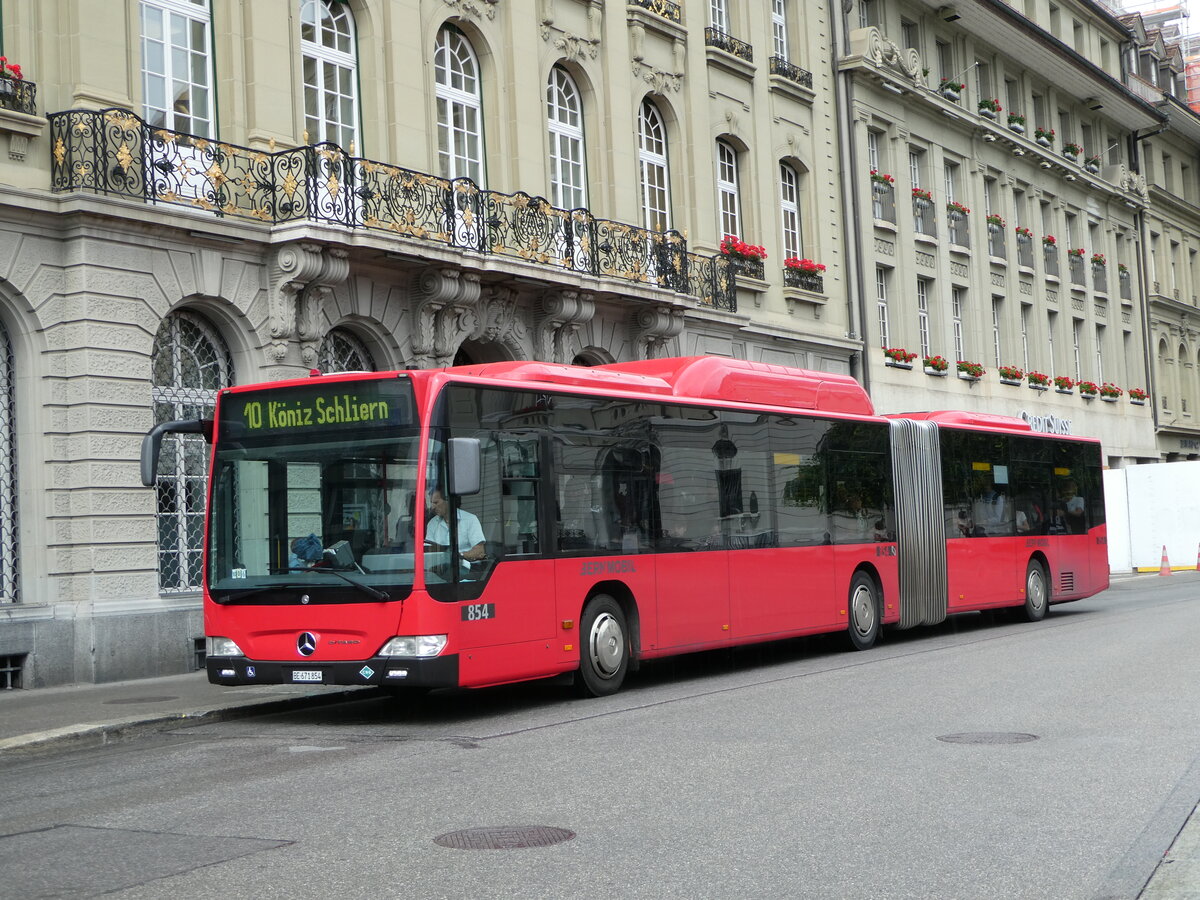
{"type": "Point", "coordinates": [789, 88]}
{"type": "Point", "coordinates": [723, 59]}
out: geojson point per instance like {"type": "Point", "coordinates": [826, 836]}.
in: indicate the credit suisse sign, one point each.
{"type": "Point", "coordinates": [1047, 424]}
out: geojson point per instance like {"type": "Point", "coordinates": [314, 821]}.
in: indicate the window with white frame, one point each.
{"type": "Point", "coordinates": [950, 173]}
{"type": "Point", "coordinates": [881, 306]}
{"type": "Point", "coordinates": [868, 13]}
{"type": "Point", "coordinates": [1025, 309]}
{"type": "Point", "coordinates": [789, 202]}
{"type": "Point", "coordinates": [1051, 328]}
{"type": "Point", "coordinates": [1075, 328]}
{"type": "Point", "coordinates": [915, 160]}
{"type": "Point", "coordinates": [1099, 354]}
{"type": "Point", "coordinates": [652, 166]}
{"type": "Point", "coordinates": [923, 314]}
{"type": "Point", "coordinates": [958, 301]}
{"type": "Point", "coordinates": [459, 107]}
{"type": "Point", "coordinates": [188, 365]}
{"type": "Point", "coordinates": [718, 15]}
{"type": "Point", "coordinates": [564, 115]}
{"type": "Point", "coordinates": [996, 337]}
{"type": "Point", "coordinates": [177, 66]}
{"type": "Point", "coordinates": [779, 28]}
{"type": "Point", "coordinates": [330, 61]}
{"type": "Point", "coordinates": [727, 189]}
{"type": "Point", "coordinates": [873, 150]}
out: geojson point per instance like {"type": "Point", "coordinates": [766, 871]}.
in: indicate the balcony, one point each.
{"type": "Point", "coordinates": [1126, 285]}
{"type": "Point", "coordinates": [1100, 279]}
{"type": "Point", "coordinates": [1025, 251]}
{"type": "Point", "coordinates": [807, 281]}
{"type": "Point", "coordinates": [924, 217]}
{"type": "Point", "coordinates": [115, 153]}
{"type": "Point", "coordinates": [664, 8]}
{"type": "Point", "coordinates": [714, 37]}
{"type": "Point", "coordinates": [1078, 275]}
{"type": "Point", "coordinates": [883, 202]}
{"type": "Point", "coordinates": [997, 247]}
{"type": "Point", "coordinates": [793, 73]}
{"type": "Point", "coordinates": [18, 95]}
{"type": "Point", "coordinates": [1050, 260]}
{"type": "Point", "coordinates": [957, 225]}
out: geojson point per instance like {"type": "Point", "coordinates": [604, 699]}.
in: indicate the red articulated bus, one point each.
{"type": "Point", "coordinates": [487, 524]}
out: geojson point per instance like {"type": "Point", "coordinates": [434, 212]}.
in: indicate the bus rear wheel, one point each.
{"type": "Point", "coordinates": [603, 648]}
{"type": "Point", "coordinates": [864, 612]}
{"type": "Point", "coordinates": [1037, 594]}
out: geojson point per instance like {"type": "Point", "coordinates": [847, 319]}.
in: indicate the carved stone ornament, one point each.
{"type": "Point", "coordinates": [871, 44]}
{"type": "Point", "coordinates": [294, 267]}
{"type": "Point", "coordinates": [471, 8]}
{"type": "Point", "coordinates": [658, 80]}
{"type": "Point", "coordinates": [557, 323]}
{"type": "Point", "coordinates": [651, 327]}
{"type": "Point", "coordinates": [574, 48]}
{"type": "Point", "coordinates": [444, 313]}
{"type": "Point", "coordinates": [498, 318]}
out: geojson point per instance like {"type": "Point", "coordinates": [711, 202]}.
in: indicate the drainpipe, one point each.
{"type": "Point", "coordinates": [1143, 270]}
{"type": "Point", "coordinates": [843, 91]}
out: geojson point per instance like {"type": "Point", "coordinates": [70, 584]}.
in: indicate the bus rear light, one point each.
{"type": "Point", "coordinates": [420, 646]}
{"type": "Point", "coordinates": [221, 646]}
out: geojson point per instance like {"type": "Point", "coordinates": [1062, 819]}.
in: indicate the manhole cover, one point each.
{"type": "Point", "coordinates": [124, 700]}
{"type": "Point", "coordinates": [512, 837]}
{"type": "Point", "coordinates": [989, 737]}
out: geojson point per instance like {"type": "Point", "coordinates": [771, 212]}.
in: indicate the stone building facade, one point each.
{"type": "Point", "coordinates": [198, 193]}
{"type": "Point", "coordinates": [202, 193]}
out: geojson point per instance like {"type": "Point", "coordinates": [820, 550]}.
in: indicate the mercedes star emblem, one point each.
{"type": "Point", "coordinates": [306, 643]}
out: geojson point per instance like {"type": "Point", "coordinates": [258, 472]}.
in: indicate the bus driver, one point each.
{"type": "Point", "coordinates": [470, 532]}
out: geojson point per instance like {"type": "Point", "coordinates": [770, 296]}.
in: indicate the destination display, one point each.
{"type": "Point", "coordinates": [338, 405]}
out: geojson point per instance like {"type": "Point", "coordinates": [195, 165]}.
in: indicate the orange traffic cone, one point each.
{"type": "Point", "coordinates": [1198, 559]}
{"type": "Point", "coordinates": [1165, 567]}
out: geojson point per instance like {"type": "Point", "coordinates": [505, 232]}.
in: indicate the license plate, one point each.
{"type": "Point", "coordinates": [307, 675]}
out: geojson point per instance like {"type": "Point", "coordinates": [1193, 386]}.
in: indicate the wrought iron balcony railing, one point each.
{"type": "Point", "coordinates": [115, 152]}
{"type": "Point", "coordinates": [780, 66]}
{"type": "Point", "coordinates": [1077, 270]}
{"type": "Point", "coordinates": [714, 37]}
{"type": "Point", "coordinates": [959, 228]}
{"type": "Point", "coordinates": [1100, 279]}
{"type": "Point", "coordinates": [665, 8]}
{"type": "Point", "coordinates": [1050, 260]}
{"type": "Point", "coordinates": [924, 218]}
{"type": "Point", "coordinates": [1025, 251]}
{"type": "Point", "coordinates": [18, 95]}
{"type": "Point", "coordinates": [883, 202]}
{"type": "Point", "coordinates": [1126, 284]}
{"type": "Point", "coordinates": [808, 281]}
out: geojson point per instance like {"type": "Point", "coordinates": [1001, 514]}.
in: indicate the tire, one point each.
{"type": "Point", "coordinates": [603, 648]}
{"type": "Point", "coordinates": [863, 606]}
{"type": "Point", "coordinates": [1037, 592]}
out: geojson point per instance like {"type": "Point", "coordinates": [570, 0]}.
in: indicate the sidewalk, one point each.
{"type": "Point", "coordinates": [84, 715]}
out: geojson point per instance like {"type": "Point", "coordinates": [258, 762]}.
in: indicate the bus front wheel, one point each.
{"type": "Point", "coordinates": [864, 612]}
{"type": "Point", "coordinates": [1037, 594]}
{"type": "Point", "coordinates": [603, 648]}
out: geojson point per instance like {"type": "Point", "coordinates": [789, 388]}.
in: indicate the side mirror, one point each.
{"type": "Point", "coordinates": [464, 459]}
{"type": "Point", "coordinates": [152, 443]}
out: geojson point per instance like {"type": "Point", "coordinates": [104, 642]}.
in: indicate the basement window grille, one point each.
{"type": "Point", "coordinates": [12, 667]}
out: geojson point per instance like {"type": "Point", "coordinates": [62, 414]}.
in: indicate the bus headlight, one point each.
{"type": "Point", "coordinates": [419, 645]}
{"type": "Point", "coordinates": [221, 646]}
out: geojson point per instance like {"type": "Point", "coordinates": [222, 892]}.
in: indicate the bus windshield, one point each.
{"type": "Point", "coordinates": [314, 493]}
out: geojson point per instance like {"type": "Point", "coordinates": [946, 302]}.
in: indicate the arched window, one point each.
{"type": "Point", "coordinates": [1163, 367]}
{"type": "Point", "coordinates": [564, 116]}
{"type": "Point", "coordinates": [189, 364]}
{"type": "Point", "coordinates": [10, 588]}
{"type": "Point", "coordinates": [177, 66]}
{"type": "Point", "coordinates": [654, 176]}
{"type": "Point", "coordinates": [789, 204]}
{"type": "Point", "coordinates": [330, 59]}
{"type": "Point", "coordinates": [459, 108]}
{"type": "Point", "coordinates": [727, 190]}
{"type": "Point", "coordinates": [341, 351]}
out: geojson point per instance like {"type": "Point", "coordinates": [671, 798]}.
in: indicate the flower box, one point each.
{"type": "Point", "coordinates": [940, 373]}
{"type": "Point", "coordinates": [1136, 402]}
{"type": "Point", "coordinates": [1040, 387]}
{"type": "Point", "coordinates": [898, 356]}
{"type": "Point", "coordinates": [895, 364]}
{"type": "Point", "coordinates": [1015, 382]}
{"type": "Point", "coordinates": [1108, 399]}
{"type": "Point", "coordinates": [1063, 391]}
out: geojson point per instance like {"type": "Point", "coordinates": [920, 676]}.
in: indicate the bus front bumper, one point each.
{"type": "Point", "coordinates": [439, 671]}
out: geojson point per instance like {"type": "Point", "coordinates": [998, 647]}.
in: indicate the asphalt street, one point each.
{"type": "Point", "coordinates": [1056, 759]}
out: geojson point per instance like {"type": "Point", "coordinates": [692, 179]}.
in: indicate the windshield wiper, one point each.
{"type": "Point", "coordinates": [365, 588]}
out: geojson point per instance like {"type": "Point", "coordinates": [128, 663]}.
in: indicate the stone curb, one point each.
{"type": "Point", "coordinates": [98, 734]}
